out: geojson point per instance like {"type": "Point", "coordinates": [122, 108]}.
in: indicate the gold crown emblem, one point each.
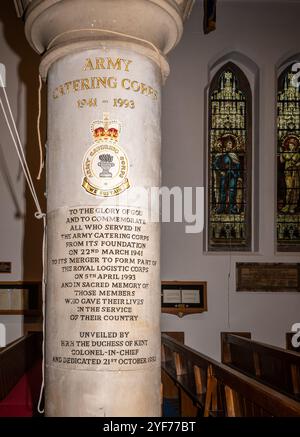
{"type": "Point", "coordinates": [106, 129]}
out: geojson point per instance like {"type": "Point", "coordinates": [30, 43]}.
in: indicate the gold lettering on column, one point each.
{"type": "Point", "coordinates": [107, 64]}
{"type": "Point", "coordinates": [126, 62]}
{"type": "Point", "coordinates": [112, 82]}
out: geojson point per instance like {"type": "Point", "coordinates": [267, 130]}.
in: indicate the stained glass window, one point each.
{"type": "Point", "coordinates": [288, 163]}
{"type": "Point", "coordinates": [229, 216]}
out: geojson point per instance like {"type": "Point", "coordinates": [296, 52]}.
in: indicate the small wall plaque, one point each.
{"type": "Point", "coordinates": [21, 298]}
{"type": "Point", "coordinates": [183, 297]}
{"type": "Point", "coordinates": [268, 277]}
{"type": "Point", "coordinates": [5, 267]}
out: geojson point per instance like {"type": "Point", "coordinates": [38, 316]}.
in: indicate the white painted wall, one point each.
{"type": "Point", "coordinates": [267, 33]}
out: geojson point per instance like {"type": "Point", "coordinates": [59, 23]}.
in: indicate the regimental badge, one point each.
{"type": "Point", "coordinates": [105, 164]}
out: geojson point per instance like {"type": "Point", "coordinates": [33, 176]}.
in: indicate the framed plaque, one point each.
{"type": "Point", "coordinates": [22, 297]}
{"type": "Point", "coordinates": [5, 267]}
{"type": "Point", "coordinates": [280, 277]}
{"type": "Point", "coordinates": [183, 297]}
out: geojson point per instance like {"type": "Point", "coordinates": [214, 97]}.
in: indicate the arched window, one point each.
{"type": "Point", "coordinates": [229, 156]}
{"type": "Point", "coordinates": [288, 161]}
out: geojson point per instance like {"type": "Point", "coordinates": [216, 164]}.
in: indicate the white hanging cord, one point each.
{"type": "Point", "coordinates": [38, 214]}
{"type": "Point", "coordinates": [38, 128]}
{"type": "Point", "coordinates": [44, 248]}
{"type": "Point", "coordinates": [39, 409]}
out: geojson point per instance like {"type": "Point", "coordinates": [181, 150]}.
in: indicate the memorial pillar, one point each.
{"type": "Point", "coordinates": [104, 65]}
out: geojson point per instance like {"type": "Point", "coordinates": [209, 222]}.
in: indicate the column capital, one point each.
{"type": "Point", "coordinates": [57, 24]}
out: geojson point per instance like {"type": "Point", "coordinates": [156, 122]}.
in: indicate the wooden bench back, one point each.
{"type": "Point", "coordinates": [270, 365]}
{"type": "Point", "coordinates": [210, 388]}
{"type": "Point", "coordinates": [16, 359]}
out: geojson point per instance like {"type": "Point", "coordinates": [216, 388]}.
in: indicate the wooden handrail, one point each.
{"type": "Point", "coordinates": [217, 389]}
{"type": "Point", "coordinates": [199, 359]}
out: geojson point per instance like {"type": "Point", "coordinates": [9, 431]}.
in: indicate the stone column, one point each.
{"type": "Point", "coordinates": [104, 65]}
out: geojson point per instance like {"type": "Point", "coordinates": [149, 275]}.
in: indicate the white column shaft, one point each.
{"type": "Point", "coordinates": [103, 286]}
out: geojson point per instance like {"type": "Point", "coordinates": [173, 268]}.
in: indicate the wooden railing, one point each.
{"type": "Point", "coordinates": [271, 365]}
{"type": "Point", "coordinates": [209, 388]}
{"type": "Point", "coordinates": [16, 359]}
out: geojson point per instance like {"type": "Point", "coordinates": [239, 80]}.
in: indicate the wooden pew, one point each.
{"type": "Point", "coordinates": [213, 389]}
{"type": "Point", "coordinates": [271, 365]}
{"type": "Point", "coordinates": [16, 359]}
{"type": "Point", "coordinates": [174, 368]}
